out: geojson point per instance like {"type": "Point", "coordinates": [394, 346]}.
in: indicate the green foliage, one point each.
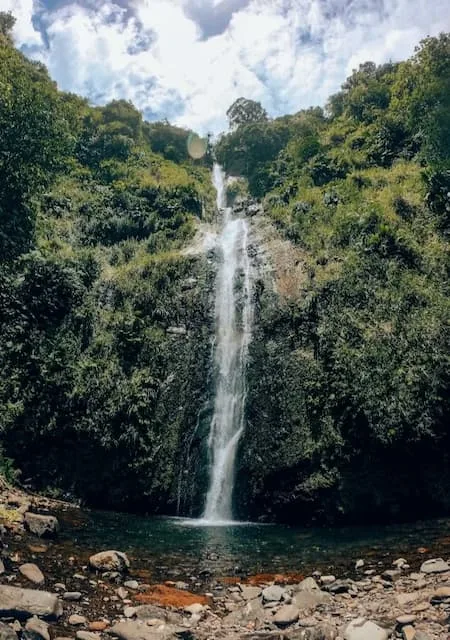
{"type": "Point", "coordinates": [244, 111]}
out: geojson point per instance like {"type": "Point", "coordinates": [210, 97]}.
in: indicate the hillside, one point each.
{"type": "Point", "coordinates": [348, 408]}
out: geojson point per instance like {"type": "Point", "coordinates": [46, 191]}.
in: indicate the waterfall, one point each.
{"type": "Point", "coordinates": [233, 327]}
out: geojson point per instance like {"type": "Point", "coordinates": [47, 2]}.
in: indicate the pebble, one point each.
{"type": "Point", "coordinates": [59, 586]}
{"type": "Point", "coordinates": [129, 612]}
{"type": "Point", "coordinates": [97, 625]}
{"type": "Point", "coordinates": [32, 573]}
{"type": "Point", "coordinates": [76, 619]}
{"type": "Point", "coordinates": [131, 584]}
{"type": "Point", "coordinates": [359, 564]}
{"type": "Point", "coordinates": [406, 619]}
{"type": "Point", "coordinates": [122, 593]}
{"type": "Point", "coordinates": [72, 595]}
{"type": "Point", "coordinates": [327, 579]}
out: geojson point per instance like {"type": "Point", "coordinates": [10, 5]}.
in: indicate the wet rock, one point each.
{"type": "Point", "coordinates": [32, 573]}
{"type": "Point", "coordinates": [6, 633]}
{"type": "Point", "coordinates": [287, 615]}
{"type": "Point", "coordinates": [72, 595]}
{"type": "Point", "coordinates": [37, 629]}
{"type": "Point", "coordinates": [273, 594]}
{"type": "Point", "coordinates": [76, 619]}
{"type": "Point", "coordinates": [110, 561]}
{"type": "Point", "coordinates": [42, 526]}
{"type": "Point", "coordinates": [437, 565]}
{"type": "Point", "coordinates": [24, 603]}
{"type": "Point", "coordinates": [362, 629]}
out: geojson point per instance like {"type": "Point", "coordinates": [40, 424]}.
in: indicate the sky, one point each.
{"type": "Point", "coordinates": [188, 60]}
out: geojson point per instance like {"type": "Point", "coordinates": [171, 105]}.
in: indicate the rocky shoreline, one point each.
{"type": "Point", "coordinates": [103, 596]}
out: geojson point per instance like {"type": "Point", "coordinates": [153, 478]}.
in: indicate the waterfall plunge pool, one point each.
{"type": "Point", "coordinates": [201, 553]}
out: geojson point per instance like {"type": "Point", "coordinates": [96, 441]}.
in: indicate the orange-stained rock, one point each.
{"type": "Point", "coordinates": [265, 578]}
{"type": "Point", "coordinates": [97, 625]}
{"type": "Point", "coordinates": [170, 597]}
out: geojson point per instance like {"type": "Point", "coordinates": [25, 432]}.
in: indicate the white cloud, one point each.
{"type": "Point", "coordinates": [288, 54]}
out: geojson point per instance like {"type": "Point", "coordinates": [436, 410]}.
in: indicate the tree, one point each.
{"type": "Point", "coordinates": [7, 22]}
{"type": "Point", "coordinates": [244, 111]}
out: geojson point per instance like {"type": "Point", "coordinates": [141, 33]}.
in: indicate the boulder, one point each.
{"type": "Point", "coordinates": [6, 633]}
{"type": "Point", "coordinates": [288, 614]}
{"type": "Point", "coordinates": [37, 629]}
{"type": "Point", "coordinates": [249, 593]}
{"type": "Point", "coordinates": [42, 526]}
{"type": "Point", "coordinates": [362, 629]}
{"type": "Point", "coordinates": [32, 573]}
{"type": "Point", "coordinates": [273, 593]}
{"type": "Point", "coordinates": [137, 630]}
{"type": "Point", "coordinates": [437, 565]}
{"type": "Point", "coordinates": [110, 561]}
{"type": "Point", "coordinates": [24, 603]}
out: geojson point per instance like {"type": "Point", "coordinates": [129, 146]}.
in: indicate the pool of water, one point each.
{"type": "Point", "coordinates": [176, 548]}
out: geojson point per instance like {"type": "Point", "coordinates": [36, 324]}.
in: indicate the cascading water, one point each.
{"type": "Point", "coordinates": [233, 327]}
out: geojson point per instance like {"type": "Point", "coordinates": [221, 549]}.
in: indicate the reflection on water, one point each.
{"type": "Point", "coordinates": [180, 547]}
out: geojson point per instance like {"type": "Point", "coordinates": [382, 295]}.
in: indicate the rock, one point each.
{"type": "Point", "coordinates": [129, 612]}
{"type": "Point", "coordinates": [76, 619]}
{"type": "Point", "coordinates": [38, 628]}
{"type": "Point", "coordinates": [24, 603]}
{"type": "Point", "coordinates": [136, 630]}
{"type": "Point", "coordinates": [420, 635]}
{"type": "Point", "coordinates": [273, 594]}
{"type": "Point", "coordinates": [308, 584]}
{"type": "Point", "coordinates": [32, 573]}
{"type": "Point", "coordinates": [359, 564]}
{"type": "Point", "coordinates": [2, 567]}
{"type": "Point", "coordinates": [406, 619]}
{"type": "Point", "coordinates": [6, 633]}
{"type": "Point", "coordinates": [391, 574]}
{"type": "Point", "coordinates": [399, 563]}
{"type": "Point", "coordinates": [195, 608]}
{"type": "Point", "coordinates": [327, 579]}
{"type": "Point", "coordinates": [310, 599]}
{"type": "Point", "coordinates": [362, 629]}
{"type": "Point", "coordinates": [97, 625]}
{"type": "Point", "coordinates": [87, 635]}
{"type": "Point", "coordinates": [340, 586]}
{"type": "Point", "coordinates": [131, 584]}
{"type": "Point", "coordinates": [110, 561]}
{"type": "Point", "coordinates": [122, 593]}
{"type": "Point", "coordinates": [437, 565]}
{"type": "Point", "coordinates": [288, 614]}
{"type": "Point", "coordinates": [249, 593]}
{"type": "Point", "coordinates": [440, 595]}
{"type": "Point", "coordinates": [146, 611]}
{"type": "Point", "coordinates": [59, 586]}
{"type": "Point", "coordinates": [408, 633]}
{"type": "Point", "coordinates": [322, 631]}
{"type": "Point", "coordinates": [42, 526]}
{"type": "Point", "coordinates": [176, 331]}
{"type": "Point", "coordinates": [72, 595]}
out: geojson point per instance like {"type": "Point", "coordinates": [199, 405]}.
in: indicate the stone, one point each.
{"type": "Point", "coordinates": [2, 567]}
{"type": "Point", "coordinates": [391, 574]}
{"type": "Point", "coordinates": [359, 564]}
{"type": "Point", "coordinates": [310, 599]}
{"type": "Point", "coordinates": [42, 526]}
{"type": "Point", "coordinates": [6, 633]}
{"type": "Point", "coordinates": [122, 593]}
{"type": "Point", "coordinates": [24, 603]}
{"type": "Point", "coordinates": [87, 635]}
{"type": "Point", "coordinates": [406, 619]}
{"type": "Point", "coordinates": [408, 632]}
{"type": "Point", "coordinates": [437, 565]}
{"type": "Point", "coordinates": [362, 629]}
{"type": "Point", "coordinates": [129, 612]}
{"type": "Point", "coordinates": [399, 563]}
{"type": "Point", "coordinates": [76, 619]}
{"type": "Point", "coordinates": [137, 630]}
{"type": "Point", "coordinates": [273, 594]}
{"type": "Point", "coordinates": [323, 631]}
{"type": "Point", "coordinates": [195, 608]}
{"type": "Point", "coordinates": [440, 595]}
{"type": "Point", "coordinates": [420, 635]}
{"type": "Point", "coordinates": [97, 625]}
{"type": "Point", "coordinates": [131, 584]}
{"type": "Point", "coordinates": [110, 561]}
{"type": "Point", "coordinates": [38, 628]}
{"type": "Point", "coordinates": [286, 615]}
{"type": "Point", "coordinates": [327, 579]}
{"type": "Point", "coordinates": [340, 586]}
{"type": "Point", "coordinates": [308, 584]}
{"type": "Point", "coordinates": [72, 595]}
{"type": "Point", "coordinates": [32, 573]}
{"type": "Point", "coordinates": [249, 593]}
{"type": "Point", "coordinates": [146, 611]}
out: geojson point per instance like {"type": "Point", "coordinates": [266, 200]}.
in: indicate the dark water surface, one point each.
{"type": "Point", "coordinates": [171, 548]}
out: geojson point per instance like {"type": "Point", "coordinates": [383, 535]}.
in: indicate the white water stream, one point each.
{"type": "Point", "coordinates": [233, 329]}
